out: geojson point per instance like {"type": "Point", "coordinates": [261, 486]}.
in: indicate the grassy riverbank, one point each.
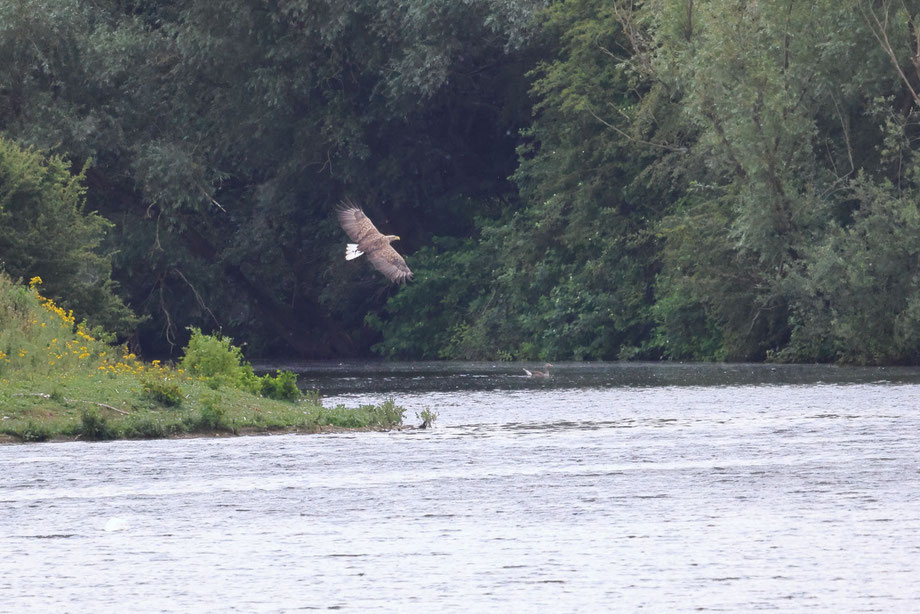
{"type": "Point", "coordinates": [59, 380]}
{"type": "Point", "coordinates": [74, 407]}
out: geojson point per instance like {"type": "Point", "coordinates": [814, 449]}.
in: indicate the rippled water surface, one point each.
{"type": "Point", "coordinates": [606, 488]}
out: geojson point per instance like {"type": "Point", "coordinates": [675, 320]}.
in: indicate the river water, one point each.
{"type": "Point", "coordinates": [609, 487]}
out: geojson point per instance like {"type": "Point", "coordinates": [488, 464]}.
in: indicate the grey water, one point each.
{"type": "Point", "coordinates": [608, 487]}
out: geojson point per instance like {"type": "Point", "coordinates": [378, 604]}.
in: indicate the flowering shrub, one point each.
{"type": "Point", "coordinates": [41, 337]}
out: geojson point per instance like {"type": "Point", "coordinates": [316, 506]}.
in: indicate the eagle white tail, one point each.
{"type": "Point", "coordinates": [352, 251]}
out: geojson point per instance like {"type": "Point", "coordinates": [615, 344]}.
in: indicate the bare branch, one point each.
{"type": "Point", "coordinates": [634, 139]}
{"type": "Point", "coordinates": [169, 326]}
{"type": "Point", "coordinates": [640, 46]}
{"type": "Point", "coordinates": [209, 197]}
{"type": "Point", "coordinates": [105, 405]}
{"type": "Point", "coordinates": [879, 28]}
{"type": "Point", "coordinates": [844, 125]}
{"type": "Point", "coordinates": [197, 296]}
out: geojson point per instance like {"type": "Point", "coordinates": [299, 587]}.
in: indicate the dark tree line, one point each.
{"type": "Point", "coordinates": [676, 179]}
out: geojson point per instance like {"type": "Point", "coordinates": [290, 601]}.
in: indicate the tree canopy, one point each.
{"type": "Point", "coordinates": [579, 179]}
{"type": "Point", "coordinates": [46, 232]}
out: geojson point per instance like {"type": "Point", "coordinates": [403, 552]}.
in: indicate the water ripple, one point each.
{"type": "Point", "coordinates": [761, 491]}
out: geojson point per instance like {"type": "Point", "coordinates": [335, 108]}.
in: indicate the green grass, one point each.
{"type": "Point", "coordinates": [118, 407]}
{"type": "Point", "coordinates": [60, 381]}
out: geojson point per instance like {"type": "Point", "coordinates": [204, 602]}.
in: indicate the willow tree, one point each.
{"type": "Point", "coordinates": [777, 91]}
{"type": "Point", "coordinates": [858, 294]}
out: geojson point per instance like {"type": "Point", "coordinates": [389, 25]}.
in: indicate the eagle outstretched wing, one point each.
{"type": "Point", "coordinates": [391, 264]}
{"type": "Point", "coordinates": [371, 242]}
{"type": "Point", "coordinates": [355, 224]}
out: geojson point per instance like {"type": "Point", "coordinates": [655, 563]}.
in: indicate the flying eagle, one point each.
{"type": "Point", "coordinates": [370, 241]}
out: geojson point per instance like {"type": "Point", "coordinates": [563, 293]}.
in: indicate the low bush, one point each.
{"type": "Point", "coordinates": [386, 414]}
{"type": "Point", "coordinates": [282, 387]}
{"type": "Point", "coordinates": [216, 361]}
{"type": "Point", "coordinates": [146, 428]}
{"type": "Point", "coordinates": [162, 391]}
{"type": "Point", "coordinates": [212, 416]}
{"type": "Point", "coordinates": [95, 427]}
{"type": "Point", "coordinates": [33, 433]}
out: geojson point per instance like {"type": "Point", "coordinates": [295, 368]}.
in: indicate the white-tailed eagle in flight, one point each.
{"type": "Point", "coordinates": [371, 242]}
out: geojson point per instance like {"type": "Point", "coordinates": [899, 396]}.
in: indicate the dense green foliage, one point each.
{"type": "Point", "coordinates": [222, 134]}
{"type": "Point", "coordinates": [45, 231]}
{"type": "Point", "coordinates": [701, 180]}
{"type": "Point", "coordinates": [581, 179]}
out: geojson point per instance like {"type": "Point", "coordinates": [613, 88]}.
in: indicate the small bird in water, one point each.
{"type": "Point", "coordinates": [536, 373]}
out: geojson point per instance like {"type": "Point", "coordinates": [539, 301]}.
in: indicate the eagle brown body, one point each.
{"type": "Point", "coordinates": [371, 242]}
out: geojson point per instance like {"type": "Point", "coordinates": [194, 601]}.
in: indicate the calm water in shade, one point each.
{"type": "Point", "coordinates": [610, 487]}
